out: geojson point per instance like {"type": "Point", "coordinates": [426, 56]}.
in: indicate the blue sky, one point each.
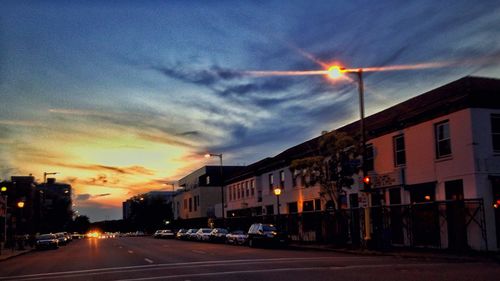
{"type": "Point", "coordinates": [120, 97]}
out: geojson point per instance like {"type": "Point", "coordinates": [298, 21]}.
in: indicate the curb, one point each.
{"type": "Point", "coordinates": [20, 253]}
{"type": "Point", "coordinates": [408, 255]}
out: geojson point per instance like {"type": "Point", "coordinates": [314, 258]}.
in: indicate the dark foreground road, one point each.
{"type": "Point", "coordinates": [145, 258]}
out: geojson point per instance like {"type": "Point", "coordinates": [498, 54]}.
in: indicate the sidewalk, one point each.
{"type": "Point", "coordinates": [9, 253]}
{"type": "Point", "coordinates": [426, 254]}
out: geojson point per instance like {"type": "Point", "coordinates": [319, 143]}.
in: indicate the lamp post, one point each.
{"type": "Point", "coordinates": [45, 174]}
{"type": "Point", "coordinates": [208, 155]}
{"type": "Point", "coordinates": [20, 241]}
{"type": "Point", "coordinates": [3, 190]}
{"type": "Point", "coordinates": [336, 72]}
{"type": "Point", "coordinates": [277, 192]}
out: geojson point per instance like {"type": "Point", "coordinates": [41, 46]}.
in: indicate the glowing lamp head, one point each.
{"type": "Point", "coordinates": [20, 204]}
{"type": "Point", "coordinates": [207, 155]}
{"type": "Point", "coordinates": [277, 191]}
{"type": "Point", "coordinates": [366, 180]}
{"type": "Point", "coordinates": [335, 72]}
{"type": "Point", "coordinates": [3, 188]}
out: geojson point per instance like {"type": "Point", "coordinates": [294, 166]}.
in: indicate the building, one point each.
{"type": "Point", "coordinates": [201, 192]}
{"type": "Point", "coordinates": [434, 164]}
{"type": "Point", "coordinates": [56, 206]}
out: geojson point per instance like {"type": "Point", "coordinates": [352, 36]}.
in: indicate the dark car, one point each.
{"type": "Point", "coordinates": [261, 234]}
{"type": "Point", "coordinates": [47, 241]}
{"type": "Point", "coordinates": [218, 235]}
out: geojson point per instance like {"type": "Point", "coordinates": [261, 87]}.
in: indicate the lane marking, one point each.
{"type": "Point", "coordinates": [181, 264]}
{"type": "Point", "coordinates": [148, 260]}
{"type": "Point", "coordinates": [130, 251]}
{"type": "Point", "coordinates": [198, 252]}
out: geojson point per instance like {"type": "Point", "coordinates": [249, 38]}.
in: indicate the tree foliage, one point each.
{"type": "Point", "coordinates": [331, 167]}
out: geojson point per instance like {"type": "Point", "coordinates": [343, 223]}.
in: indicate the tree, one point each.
{"type": "Point", "coordinates": [331, 166]}
{"type": "Point", "coordinates": [81, 224]}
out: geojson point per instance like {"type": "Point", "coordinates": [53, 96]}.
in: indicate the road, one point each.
{"type": "Point", "coordinates": [144, 258]}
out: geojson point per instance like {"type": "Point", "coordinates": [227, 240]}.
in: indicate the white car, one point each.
{"type": "Point", "coordinates": [237, 237]}
{"type": "Point", "coordinates": [203, 234]}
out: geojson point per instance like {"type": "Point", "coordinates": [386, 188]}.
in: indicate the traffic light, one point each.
{"type": "Point", "coordinates": [367, 183]}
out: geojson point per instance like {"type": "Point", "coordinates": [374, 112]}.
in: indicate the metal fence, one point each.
{"type": "Point", "coordinates": [458, 225]}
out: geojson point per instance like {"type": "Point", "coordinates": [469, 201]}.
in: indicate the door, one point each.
{"type": "Point", "coordinates": [455, 215]}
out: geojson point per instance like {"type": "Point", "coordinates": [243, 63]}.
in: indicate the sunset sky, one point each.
{"type": "Point", "coordinates": [121, 97]}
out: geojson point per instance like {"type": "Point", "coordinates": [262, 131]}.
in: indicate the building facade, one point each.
{"type": "Point", "coordinates": [434, 164]}
{"type": "Point", "coordinates": [200, 192]}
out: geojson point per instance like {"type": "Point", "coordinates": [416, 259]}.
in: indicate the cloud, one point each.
{"type": "Point", "coordinates": [204, 77]}
{"type": "Point", "coordinates": [83, 197]}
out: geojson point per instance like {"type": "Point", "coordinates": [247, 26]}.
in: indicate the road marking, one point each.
{"type": "Point", "coordinates": [98, 271]}
{"type": "Point", "coordinates": [198, 252]}
{"type": "Point", "coordinates": [148, 260]}
{"type": "Point", "coordinates": [130, 251]}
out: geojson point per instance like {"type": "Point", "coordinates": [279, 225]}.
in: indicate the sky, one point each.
{"type": "Point", "coordinates": [124, 97]}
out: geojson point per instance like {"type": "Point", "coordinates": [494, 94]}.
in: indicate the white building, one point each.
{"type": "Point", "coordinates": [435, 168]}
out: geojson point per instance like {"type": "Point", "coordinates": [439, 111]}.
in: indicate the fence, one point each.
{"type": "Point", "coordinates": [458, 225]}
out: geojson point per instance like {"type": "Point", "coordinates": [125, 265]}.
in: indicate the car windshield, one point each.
{"type": "Point", "coordinates": [46, 236]}
{"type": "Point", "coordinates": [267, 228]}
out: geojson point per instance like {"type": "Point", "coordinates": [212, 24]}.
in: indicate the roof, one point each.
{"type": "Point", "coordinates": [467, 92]}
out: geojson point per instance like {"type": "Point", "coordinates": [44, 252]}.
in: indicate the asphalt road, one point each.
{"type": "Point", "coordinates": [144, 258]}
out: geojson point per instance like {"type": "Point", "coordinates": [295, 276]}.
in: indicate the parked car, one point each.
{"type": "Point", "coordinates": [61, 238]}
{"type": "Point", "coordinates": [261, 234]}
{"type": "Point", "coordinates": [191, 234]}
{"type": "Point", "coordinates": [237, 237]}
{"type": "Point", "coordinates": [203, 234]}
{"type": "Point", "coordinates": [47, 241]}
{"type": "Point", "coordinates": [218, 235]}
{"type": "Point", "coordinates": [158, 233]}
{"type": "Point", "coordinates": [167, 234]}
{"type": "Point", "coordinates": [181, 234]}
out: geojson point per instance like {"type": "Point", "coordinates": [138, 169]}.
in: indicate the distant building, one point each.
{"type": "Point", "coordinates": [201, 192]}
{"type": "Point", "coordinates": [56, 205]}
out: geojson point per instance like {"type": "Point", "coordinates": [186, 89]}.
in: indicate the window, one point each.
{"type": "Point", "coordinates": [369, 166]}
{"type": "Point", "coordinates": [190, 204]}
{"type": "Point", "coordinates": [239, 191]}
{"type": "Point", "coordinates": [208, 180]}
{"type": "Point", "coordinates": [234, 192]}
{"type": "Point", "coordinates": [308, 206]}
{"type": "Point", "coordinates": [247, 190]}
{"type": "Point", "coordinates": [271, 182]}
{"type": "Point", "coordinates": [495, 131]}
{"type": "Point", "coordinates": [252, 188]}
{"type": "Point", "coordinates": [282, 179]}
{"type": "Point", "coordinates": [196, 203]}
{"type": "Point", "coordinates": [292, 207]}
{"type": "Point", "coordinates": [399, 150]}
{"type": "Point", "coordinates": [185, 204]}
{"type": "Point", "coordinates": [443, 141]}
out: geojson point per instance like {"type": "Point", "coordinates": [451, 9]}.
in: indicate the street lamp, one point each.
{"type": "Point", "coordinates": [336, 72]}
{"type": "Point", "coordinates": [208, 155]}
{"type": "Point", "coordinates": [45, 174]}
{"type": "Point", "coordinates": [3, 190]}
{"type": "Point", "coordinates": [20, 204]}
{"type": "Point", "coordinates": [277, 192]}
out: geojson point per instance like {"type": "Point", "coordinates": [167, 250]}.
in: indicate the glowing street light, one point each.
{"type": "Point", "coordinates": [336, 71]}
{"type": "Point", "coordinates": [277, 192]}
{"type": "Point", "coordinates": [20, 204]}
